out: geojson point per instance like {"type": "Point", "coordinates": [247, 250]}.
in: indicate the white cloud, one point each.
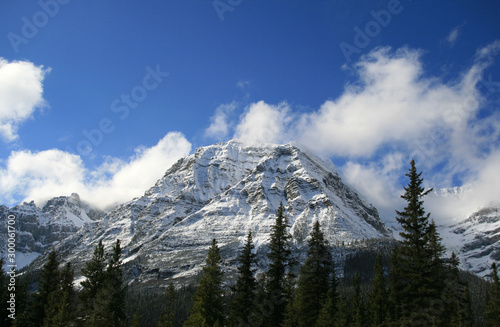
{"type": "Point", "coordinates": [392, 102]}
{"type": "Point", "coordinates": [376, 184]}
{"type": "Point", "coordinates": [242, 84]}
{"type": "Point", "coordinates": [264, 123]}
{"type": "Point", "coordinates": [42, 175]}
{"type": "Point", "coordinates": [219, 126]}
{"type": "Point", "coordinates": [453, 36]}
{"type": "Point", "coordinates": [21, 91]}
{"type": "Point", "coordinates": [394, 112]}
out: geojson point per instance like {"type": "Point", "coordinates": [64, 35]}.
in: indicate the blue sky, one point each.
{"type": "Point", "coordinates": [96, 94]}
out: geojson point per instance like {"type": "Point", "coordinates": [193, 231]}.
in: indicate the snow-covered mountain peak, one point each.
{"type": "Point", "coordinates": [222, 191]}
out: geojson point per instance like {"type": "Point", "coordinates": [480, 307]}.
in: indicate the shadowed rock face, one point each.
{"type": "Point", "coordinates": [38, 228]}
{"type": "Point", "coordinates": [476, 240]}
{"type": "Point", "coordinates": [223, 191]}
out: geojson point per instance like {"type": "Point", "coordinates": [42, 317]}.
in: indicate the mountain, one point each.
{"type": "Point", "coordinates": [39, 228]}
{"type": "Point", "coordinates": [223, 191]}
{"type": "Point", "coordinates": [476, 240]}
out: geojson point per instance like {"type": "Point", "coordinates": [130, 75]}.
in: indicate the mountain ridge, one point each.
{"type": "Point", "coordinates": [222, 191]}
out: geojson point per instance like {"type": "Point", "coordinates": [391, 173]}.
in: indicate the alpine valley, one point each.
{"type": "Point", "coordinates": [223, 191]}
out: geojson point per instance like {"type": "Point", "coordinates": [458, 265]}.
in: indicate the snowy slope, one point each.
{"type": "Point", "coordinates": [38, 228]}
{"type": "Point", "coordinates": [476, 240]}
{"type": "Point", "coordinates": [223, 191]}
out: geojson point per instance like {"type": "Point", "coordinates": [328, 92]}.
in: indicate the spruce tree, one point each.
{"type": "Point", "coordinates": [313, 279]}
{"type": "Point", "coordinates": [61, 305]}
{"type": "Point", "coordinates": [329, 310]}
{"type": "Point", "coordinates": [243, 305]}
{"type": "Point", "coordinates": [136, 321]}
{"type": "Point", "coordinates": [4, 295]}
{"type": "Point", "coordinates": [415, 264]}
{"type": "Point", "coordinates": [49, 283]}
{"type": "Point", "coordinates": [358, 310]}
{"type": "Point", "coordinates": [208, 305]}
{"type": "Point", "coordinates": [114, 281]}
{"type": "Point", "coordinates": [492, 312]}
{"type": "Point", "coordinates": [280, 259]}
{"type": "Point", "coordinates": [168, 315]}
{"type": "Point", "coordinates": [378, 296]}
{"type": "Point", "coordinates": [23, 303]}
{"type": "Point", "coordinates": [95, 274]}
{"type": "Point", "coordinates": [106, 307]}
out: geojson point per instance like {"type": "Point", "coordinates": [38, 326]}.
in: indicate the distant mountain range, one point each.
{"type": "Point", "coordinates": [223, 191]}
{"type": "Point", "coordinates": [39, 228]}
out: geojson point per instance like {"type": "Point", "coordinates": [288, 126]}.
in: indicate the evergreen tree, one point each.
{"type": "Point", "coordinates": [95, 273]}
{"type": "Point", "coordinates": [378, 296]}
{"type": "Point", "coordinates": [243, 305]}
{"type": "Point", "coordinates": [101, 314]}
{"type": "Point", "coordinates": [313, 279]}
{"type": "Point", "coordinates": [168, 315]}
{"type": "Point", "coordinates": [114, 281]}
{"type": "Point", "coordinates": [208, 305]}
{"type": "Point", "coordinates": [458, 308]}
{"type": "Point", "coordinates": [329, 310]}
{"type": "Point", "coordinates": [492, 313]}
{"type": "Point", "coordinates": [415, 264]}
{"type": "Point", "coordinates": [106, 307]}
{"type": "Point", "coordinates": [136, 322]}
{"type": "Point", "coordinates": [4, 295]}
{"type": "Point", "coordinates": [358, 310]}
{"type": "Point", "coordinates": [263, 306]}
{"type": "Point", "coordinates": [49, 283]}
{"type": "Point", "coordinates": [23, 303]}
{"type": "Point", "coordinates": [280, 259]}
{"type": "Point", "coordinates": [60, 308]}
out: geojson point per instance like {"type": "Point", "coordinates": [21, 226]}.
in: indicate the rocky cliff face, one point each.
{"type": "Point", "coordinates": [476, 240]}
{"type": "Point", "coordinates": [38, 228]}
{"type": "Point", "coordinates": [223, 191]}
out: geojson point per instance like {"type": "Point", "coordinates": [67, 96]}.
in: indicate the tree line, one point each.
{"type": "Point", "coordinates": [415, 285]}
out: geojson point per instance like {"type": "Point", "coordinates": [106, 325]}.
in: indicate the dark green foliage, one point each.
{"type": "Point", "coordinates": [329, 310]}
{"type": "Point", "coordinates": [358, 310]}
{"type": "Point", "coordinates": [243, 305]}
{"type": "Point", "coordinates": [60, 308]}
{"type": "Point", "coordinates": [23, 303]}
{"type": "Point", "coordinates": [136, 321]}
{"type": "Point", "coordinates": [49, 283]}
{"type": "Point", "coordinates": [114, 281]}
{"type": "Point", "coordinates": [458, 310]}
{"type": "Point", "coordinates": [150, 300]}
{"type": "Point", "coordinates": [313, 279]}
{"type": "Point", "coordinates": [95, 274]}
{"type": "Point", "coordinates": [168, 315]}
{"type": "Point", "coordinates": [208, 304]}
{"type": "Point", "coordinates": [103, 294]}
{"type": "Point", "coordinates": [492, 313]}
{"type": "Point", "coordinates": [417, 272]}
{"type": "Point", "coordinates": [378, 296]}
{"type": "Point", "coordinates": [4, 295]}
{"type": "Point", "coordinates": [280, 259]}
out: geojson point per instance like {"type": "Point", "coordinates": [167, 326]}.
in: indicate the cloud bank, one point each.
{"type": "Point", "coordinates": [395, 111]}
{"type": "Point", "coordinates": [42, 175]}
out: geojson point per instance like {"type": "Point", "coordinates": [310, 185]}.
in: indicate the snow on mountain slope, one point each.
{"type": "Point", "coordinates": [38, 228]}
{"type": "Point", "coordinates": [476, 240]}
{"type": "Point", "coordinates": [223, 191]}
